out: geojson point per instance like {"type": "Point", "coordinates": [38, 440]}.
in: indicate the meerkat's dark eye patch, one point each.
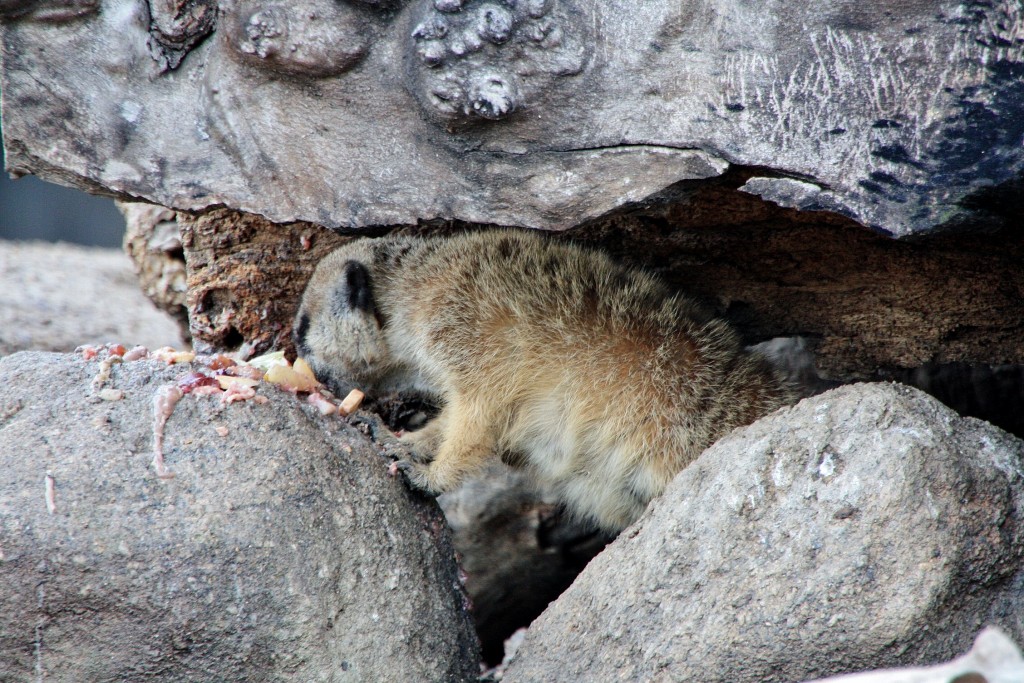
{"type": "Point", "coordinates": [353, 292]}
{"type": "Point", "coordinates": [299, 334]}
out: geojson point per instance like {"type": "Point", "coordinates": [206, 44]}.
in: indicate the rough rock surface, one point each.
{"type": "Point", "coordinates": [281, 549]}
{"type": "Point", "coordinates": [993, 659]}
{"type": "Point", "coordinates": [865, 527]}
{"type": "Point", "coordinates": [55, 297]}
{"type": "Point", "coordinates": [539, 113]}
{"type": "Point", "coordinates": [868, 301]}
{"type": "Point", "coordinates": [245, 277]}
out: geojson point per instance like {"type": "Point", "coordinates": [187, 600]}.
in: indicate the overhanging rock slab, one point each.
{"type": "Point", "coordinates": [542, 113]}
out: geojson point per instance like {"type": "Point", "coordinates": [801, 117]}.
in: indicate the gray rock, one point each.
{"type": "Point", "coordinates": [281, 549]}
{"type": "Point", "coordinates": [55, 297]}
{"type": "Point", "coordinates": [541, 113]}
{"type": "Point", "coordinates": [993, 659]}
{"type": "Point", "coordinates": [786, 192]}
{"type": "Point", "coordinates": [866, 527]}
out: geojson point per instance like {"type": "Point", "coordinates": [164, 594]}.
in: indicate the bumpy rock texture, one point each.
{"type": "Point", "coordinates": [866, 527]}
{"type": "Point", "coordinates": [281, 549]}
{"type": "Point", "coordinates": [537, 113]}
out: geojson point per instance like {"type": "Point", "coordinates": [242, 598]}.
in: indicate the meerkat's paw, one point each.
{"type": "Point", "coordinates": [418, 452]}
{"type": "Point", "coordinates": [397, 448]}
{"type": "Point", "coordinates": [417, 474]}
{"type": "Point", "coordinates": [372, 426]}
{"type": "Point", "coordinates": [408, 456]}
{"type": "Point", "coordinates": [424, 442]}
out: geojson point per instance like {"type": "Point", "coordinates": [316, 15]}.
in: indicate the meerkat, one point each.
{"type": "Point", "coordinates": [598, 378]}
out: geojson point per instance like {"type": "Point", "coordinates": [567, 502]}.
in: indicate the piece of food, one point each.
{"type": "Point", "coordinates": [322, 404]}
{"type": "Point", "coordinates": [290, 379]}
{"type": "Point", "coordinates": [103, 374]}
{"type": "Point", "coordinates": [237, 391]}
{"type": "Point", "coordinates": [268, 360]}
{"type": "Point", "coordinates": [221, 362]}
{"type": "Point", "coordinates": [164, 400]}
{"type": "Point", "coordinates": [136, 353]}
{"type": "Point", "coordinates": [194, 380]}
{"type": "Point", "coordinates": [111, 394]}
{"type": "Point", "coordinates": [51, 494]}
{"type": "Point", "coordinates": [226, 382]}
{"type": "Point", "coordinates": [250, 371]}
{"type": "Point", "coordinates": [351, 403]}
{"type": "Point", "coordinates": [302, 367]}
{"type": "Point", "coordinates": [170, 356]}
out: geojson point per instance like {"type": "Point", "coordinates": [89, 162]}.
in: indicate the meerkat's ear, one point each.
{"type": "Point", "coordinates": [353, 291]}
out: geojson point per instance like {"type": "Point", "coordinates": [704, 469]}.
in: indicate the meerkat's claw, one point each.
{"type": "Point", "coordinates": [404, 455]}
{"type": "Point", "coordinates": [416, 474]}
{"type": "Point", "coordinates": [371, 425]}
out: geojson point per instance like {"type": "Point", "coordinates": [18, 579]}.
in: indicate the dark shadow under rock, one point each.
{"type": "Point", "coordinates": [518, 549]}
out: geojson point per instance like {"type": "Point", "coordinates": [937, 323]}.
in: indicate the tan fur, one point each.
{"type": "Point", "coordinates": [597, 378]}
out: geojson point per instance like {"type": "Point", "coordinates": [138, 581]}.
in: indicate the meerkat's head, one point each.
{"type": "Point", "coordinates": [338, 329]}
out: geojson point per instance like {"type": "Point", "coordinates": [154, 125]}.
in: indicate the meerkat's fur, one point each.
{"type": "Point", "coordinates": [598, 378]}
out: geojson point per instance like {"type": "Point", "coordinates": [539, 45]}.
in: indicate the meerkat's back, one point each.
{"type": "Point", "coordinates": [598, 378]}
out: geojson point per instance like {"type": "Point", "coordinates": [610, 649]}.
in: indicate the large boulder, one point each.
{"type": "Point", "coordinates": [866, 527]}
{"type": "Point", "coordinates": [280, 549]}
{"type": "Point", "coordinates": [541, 113]}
